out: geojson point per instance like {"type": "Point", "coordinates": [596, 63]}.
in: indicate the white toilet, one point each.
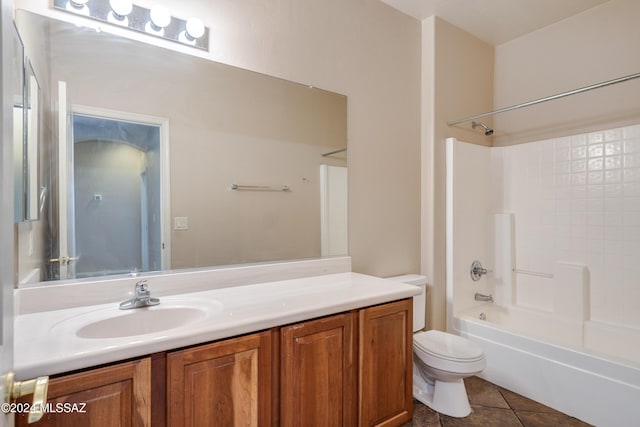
{"type": "Point", "coordinates": [440, 360]}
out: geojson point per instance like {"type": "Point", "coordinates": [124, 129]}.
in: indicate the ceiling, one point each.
{"type": "Point", "coordinates": [495, 21]}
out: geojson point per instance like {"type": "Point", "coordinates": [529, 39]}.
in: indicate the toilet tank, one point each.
{"type": "Point", "coordinates": [419, 301]}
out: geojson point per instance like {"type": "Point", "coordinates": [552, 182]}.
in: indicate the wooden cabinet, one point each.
{"type": "Point", "coordinates": [317, 378]}
{"type": "Point", "coordinates": [385, 364]}
{"type": "Point", "coordinates": [348, 369]}
{"type": "Point", "coordinates": [227, 383]}
{"type": "Point", "coordinates": [117, 395]}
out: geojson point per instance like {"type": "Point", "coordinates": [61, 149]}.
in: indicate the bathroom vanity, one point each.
{"type": "Point", "coordinates": [323, 350]}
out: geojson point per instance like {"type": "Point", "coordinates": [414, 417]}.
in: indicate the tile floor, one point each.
{"type": "Point", "coordinates": [492, 405]}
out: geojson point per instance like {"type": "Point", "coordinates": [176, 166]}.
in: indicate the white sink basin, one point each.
{"type": "Point", "coordinates": [115, 323]}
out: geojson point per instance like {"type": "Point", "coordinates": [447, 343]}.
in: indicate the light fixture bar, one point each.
{"type": "Point", "coordinates": [137, 20]}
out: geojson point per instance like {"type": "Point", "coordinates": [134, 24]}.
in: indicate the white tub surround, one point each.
{"type": "Point", "coordinates": [557, 224]}
{"type": "Point", "coordinates": [583, 384]}
{"type": "Point", "coordinates": [46, 342]}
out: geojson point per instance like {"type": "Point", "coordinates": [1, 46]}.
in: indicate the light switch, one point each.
{"type": "Point", "coordinates": [181, 223]}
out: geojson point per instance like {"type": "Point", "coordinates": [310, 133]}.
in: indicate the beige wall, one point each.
{"type": "Point", "coordinates": [457, 82]}
{"type": "Point", "coordinates": [597, 45]}
{"type": "Point", "coordinates": [360, 48]}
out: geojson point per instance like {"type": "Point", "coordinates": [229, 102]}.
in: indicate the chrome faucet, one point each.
{"type": "Point", "coordinates": [142, 297]}
{"type": "Point", "coordinates": [483, 297]}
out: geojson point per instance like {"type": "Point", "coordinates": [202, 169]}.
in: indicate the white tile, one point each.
{"type": "Point", "coordinates": [579, 152]}
{"type": "Point", "coordinates": [579, 166]}
{"type": "Point", "coordinates": [612, 190]}
{"type": "Point", "coordinates": [563, 154]}
{"type": "Point", "coordinates": [632, 145]}
{"type": "Point", "coordinates": [595, 190]}
{"type": "Point", "coordinates": [632, 160]}
{"type": "Point", "coordinates": [613, 248]}
{"type": "Point", "coordinates": [563, 191]}
{"type": "Point", "coordinates": [614, 235]}
{"type": "Point", "coordinates": [563, 205]}
{"type": "Point", "coordinates": [595, 137]}
{"type": "Point", "coordinates": [613, 134]}
{"type": "Point", "coordinates": [632, 234]}
{"type": "Point", "coordinates": [631, 204]}
{"type": "Point", "coordinates": [613, 218]}
{"type": "Point", "coordinates": [578, 140]}
{"type": "Point", "coordinates": [578, 205]}
{"type": "Point", "coordinates": [631, 219]}
{"type": "Point", "coordinates": [631, 131]}
{"type": "Point", "coordinates": [578, 178]}
{"type": "Point", "coordinates": [596, 164]}
{"type": "Point", "coordinates": [578, 191]}
{"type": "Point", "coordinates": [631, 189]}
{"type": "Point", "coordinates": [595, 218]}
{"type": "Point", "coordinates": [596, 232]}
{"type": "Point", "coordinates": [631, 247]}
{"type": "Point", "coordinates": [612, 176]}
{"type": "Point", "coordinates": [595, 205]}
{"type": "Point", "coordinates": [613, 162]}
{"type": "Point", "coordinates": [596, 150]}
{"type": "Point", "coordinates": [596, 177]}
{"type": "Point", "coordinates": [613, 148]}
{"type": "Point", "coordinates": [631, 175]}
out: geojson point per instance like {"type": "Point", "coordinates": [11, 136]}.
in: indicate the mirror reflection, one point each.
{"type": "Point", "coordinates": [162, 160]}
{"type": "Point", "coordinates": [17, 87]}
{"type": "Point", "coordinates": [32, 142]}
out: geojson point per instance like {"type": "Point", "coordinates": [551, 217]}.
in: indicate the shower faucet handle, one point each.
{"type": "Point", "coordinates": [477, 271]}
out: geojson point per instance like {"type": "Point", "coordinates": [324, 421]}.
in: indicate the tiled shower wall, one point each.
{"type": "Point", "coordinates": [576, 199]}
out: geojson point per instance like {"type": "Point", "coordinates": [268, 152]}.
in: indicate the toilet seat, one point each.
{"type": "Point", "coordinates": [448, 352]}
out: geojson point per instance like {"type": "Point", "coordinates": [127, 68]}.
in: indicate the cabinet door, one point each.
{"type": "Point", "coordinates": [318, 383]}
{"type": "Point", "coordinates": [118, 395]}
{"type": "Point", "coordinates": [226, 384]}
{"type": "Point", "coordinates": [386, 363]}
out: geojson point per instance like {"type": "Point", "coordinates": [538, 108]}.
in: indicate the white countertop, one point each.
{"type": "Point", "coordinates": [46, 342]}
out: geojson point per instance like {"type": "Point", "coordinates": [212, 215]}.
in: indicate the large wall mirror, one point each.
{"type": "Point", "coordinates": [155, 160]}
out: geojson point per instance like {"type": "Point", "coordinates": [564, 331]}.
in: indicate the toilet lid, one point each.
{"type": "Point", "coordinates": [447, 346]}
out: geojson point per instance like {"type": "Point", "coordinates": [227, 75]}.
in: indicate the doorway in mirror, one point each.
{"type": "Point", "coordinates": [117, 194]}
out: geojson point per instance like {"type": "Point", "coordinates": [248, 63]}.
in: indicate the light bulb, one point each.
{"type": "Point", "coordinates": [160, 16]}
{"type": "Point", "coordinates": [195, 28]}
{"type": "Point", "coordinates": [121, 8]}
{"type": "Point", "coordinates": [78, 6]}
{"type": "Point", "coordinates": [78, 3]}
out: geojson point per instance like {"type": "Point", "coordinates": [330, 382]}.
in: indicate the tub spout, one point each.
{"type": "Point", "coordinates": [482, 297]}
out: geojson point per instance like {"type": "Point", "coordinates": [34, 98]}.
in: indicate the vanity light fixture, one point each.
{"type": "Point", "coordinates": [156, 21]}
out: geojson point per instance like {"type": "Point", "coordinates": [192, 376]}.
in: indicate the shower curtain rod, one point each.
{"type": "Point", "coordinates": [548, 98]}
{"type": "Point", "coordinates": [334, 152]}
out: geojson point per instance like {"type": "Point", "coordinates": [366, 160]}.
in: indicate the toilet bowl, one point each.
{"type": "Point", "coordinates": [440, 360]}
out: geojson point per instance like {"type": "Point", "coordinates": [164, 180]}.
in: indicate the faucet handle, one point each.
{"type": "Point", "coordinates": [142, 288]}
{"type": "Point", "coordinates": [477, 270]}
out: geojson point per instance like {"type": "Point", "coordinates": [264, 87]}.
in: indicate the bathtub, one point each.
{"type": "Point", "coordinates": [558, 362]}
